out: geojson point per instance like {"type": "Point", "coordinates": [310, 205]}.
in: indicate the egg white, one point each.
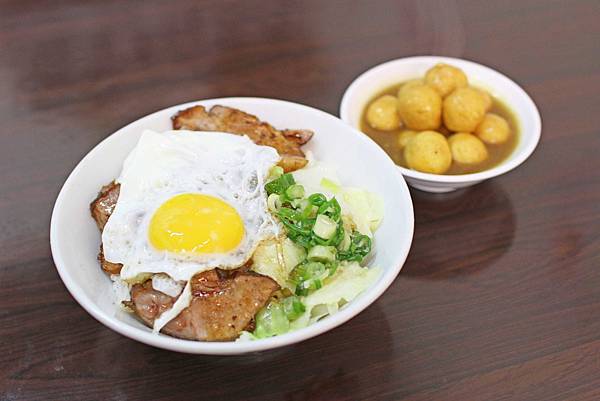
{"type": "Point", "coordinates": [162, 165]}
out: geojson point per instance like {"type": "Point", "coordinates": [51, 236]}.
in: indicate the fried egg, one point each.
{"type": "Point", "coordinates": [190, 201]}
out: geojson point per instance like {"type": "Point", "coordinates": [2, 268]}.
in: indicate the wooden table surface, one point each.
{"type": "Point", "coordinates": [500, 295]}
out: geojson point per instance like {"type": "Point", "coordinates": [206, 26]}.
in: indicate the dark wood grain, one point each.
{"type": "Point", "coordinates": [500, 296]}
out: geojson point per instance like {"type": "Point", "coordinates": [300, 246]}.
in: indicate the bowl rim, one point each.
{"type": "Point", "coordinates": [232, 347]}
{"type": "Point", "coordinates": [504, 167]}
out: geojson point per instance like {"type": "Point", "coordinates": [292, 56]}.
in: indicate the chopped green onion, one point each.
{"type": "Point", "coordinates": [271, 321]}
{"type": "Point", "coordinates": [297, 203]}
{"type": "Point", "coordinates": [320, 253]}
{"type": "Point", "coordinates": [324, 227]}
{"type": "Point", "coordinates": [308, 210]}
{"type": "Point", "coordinates": [331, 209]}
{"type": "Point", "coordinates": [274, 202]}
{"type": "Point", "coordinates": [317, 199]}
{"type": "Point", "coordinates": [274, 319]}
{"type": "Point", "coordinates": [293, 307]}
{"type": "Point", "coordinates": [292, 220]}
{"type": "Point", "coordinates": [332, 267]}
{"type": "Point", "coordinates": [309, 276]}
{"type": "Point", "coordinates": [360, 246]}
{"type": "Point", "coordinates": [315, 223]}
{"type": "Point", "coordinates": [333, 241]}
{"type": "Point", "coordinates": [295, 191]}
{"type": "Point", "coordinates": [274, 173]}
{"type": "Point", "coordinates": [310, 269]}
{"type": "Point", "coordinates": [346, 240]}
{"type": "Point", "coordinates": [279, 185]}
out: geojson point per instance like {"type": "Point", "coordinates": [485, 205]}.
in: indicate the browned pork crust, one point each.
{"type": "Point", "coordinates": [227, 119]}
{"type": "Point", "coordinates": [108, 267]}
{"type": "Point", "coordinates": [101, 209]}
{"type": "Point", "coordinates": [223, 304]}
{"type": "Point", "coordinates": [104, 204]}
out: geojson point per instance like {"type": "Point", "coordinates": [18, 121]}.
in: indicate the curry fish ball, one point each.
{"type": "Point", "coordinates": [420, 107]}
{"type": "Point", "coordinates": [404, 137]}
{"type": "Point", "coordinates": [428, 152]}
{"type": "Point", "coordinates": [464, 109]}
{"type": "Point", "coordinates": [383, 113]}
{"type": "Point", "coordinates": [493, 129]}
{"type": "Point", "coordinates": [467, 148]}
{"type": "Point", "coordinates": [445, 78]}
{"type": "Point", "coordinates": [412, 82]}
{"type": "Point", "coordinates": [487, 99]}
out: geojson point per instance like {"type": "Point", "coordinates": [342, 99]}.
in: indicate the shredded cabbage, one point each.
{"type": "Point", "coordinates": [364, 208]}
{"type": "Point", "coordinates": [311, 178]}
{"type": "Point", "coordinates": [277, 259]}
{"type": "Point", "coordinates": [329, 275]}
{"type": "Point", "coordinates": [346, 284]}
{"type": "Point", "coordinates": [349, 281]}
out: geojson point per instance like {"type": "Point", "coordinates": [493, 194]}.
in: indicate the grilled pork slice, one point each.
{"type": "Point", "coordinates": [108, 267]}
{"type": "Point", "coordinates": [104, 204]}
{"type": "Point", "coordinates": [223, 304]}
{"type": "Point", "coordinates": [227, 119]}
{"type": "Point", "coordinates": [101, 208]}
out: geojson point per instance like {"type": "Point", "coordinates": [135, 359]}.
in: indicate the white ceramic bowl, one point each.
{"type": "Point", "coordinates": [75, 238]}
{"type": "Point", "coordinates": [378, 78]}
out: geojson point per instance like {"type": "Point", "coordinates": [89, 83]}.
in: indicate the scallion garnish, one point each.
{"type": "Point", "coordinates": [279, 185]}
{"type": "Point", "coordinates": [314, 223]}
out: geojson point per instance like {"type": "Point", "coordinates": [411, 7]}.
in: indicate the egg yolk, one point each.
{"type": "Point", "coordinates": [197, 224]}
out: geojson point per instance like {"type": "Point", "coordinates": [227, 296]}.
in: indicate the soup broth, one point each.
{"type": "Point", "coordinates": [388, 140]}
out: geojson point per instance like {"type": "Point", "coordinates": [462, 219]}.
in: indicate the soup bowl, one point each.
{"type": "Point", "coordinates": [362, 90]}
